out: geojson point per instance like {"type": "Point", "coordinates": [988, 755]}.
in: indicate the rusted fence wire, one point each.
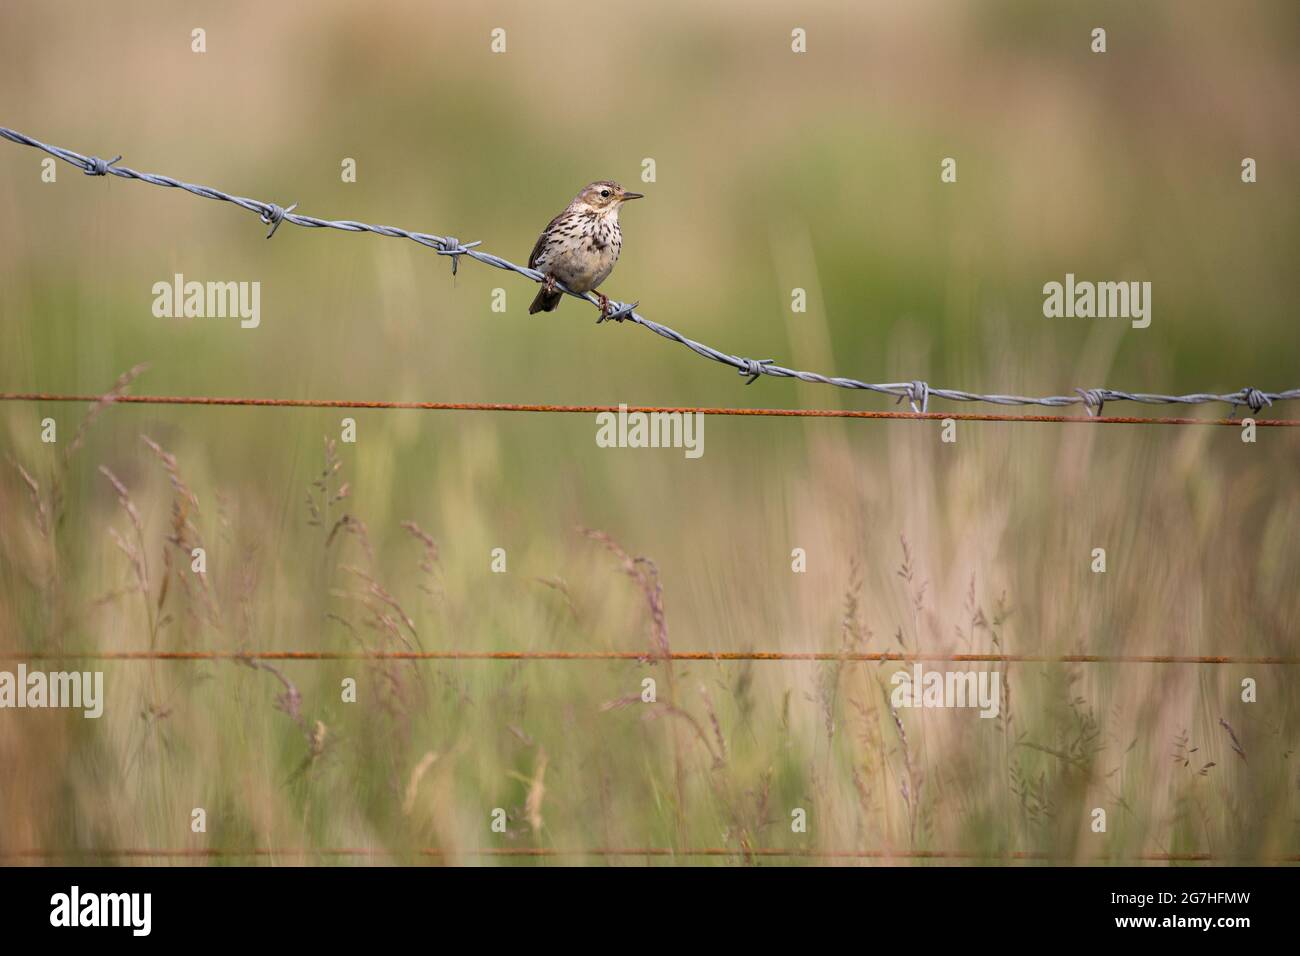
{"type": "Point", "coordinates": [630, 409]}
{"type": "Point", "coordinates": [917, 393]}
{"type": "Point", "coordinates": [881, 657]}
{"type": "Point", "coordinates": [201, 853]}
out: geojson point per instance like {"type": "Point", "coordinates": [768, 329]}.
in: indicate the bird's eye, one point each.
{"type": "Point", "coordinates": [605, 193]}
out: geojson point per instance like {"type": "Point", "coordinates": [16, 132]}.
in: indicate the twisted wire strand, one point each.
{"type": "Point", "coordinates": [917, 393]}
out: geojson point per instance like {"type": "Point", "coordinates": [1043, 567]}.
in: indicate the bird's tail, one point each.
{"type": "Point", "coordinates": [545, 301]}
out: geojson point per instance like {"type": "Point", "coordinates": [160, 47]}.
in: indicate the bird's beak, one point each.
{"type": "Point", "coordinates": [627, 196]}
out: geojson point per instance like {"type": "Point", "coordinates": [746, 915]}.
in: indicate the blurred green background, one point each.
{"type": "Point", "coordinates": [773, 171]}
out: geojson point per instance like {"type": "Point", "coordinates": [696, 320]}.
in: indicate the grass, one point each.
{"type": "Point", "coordinates": [572, 752]}
{"type": "Point", "coordinates": [774, 172]}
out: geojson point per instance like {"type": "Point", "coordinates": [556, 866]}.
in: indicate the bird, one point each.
{"type": "Point", "coordinates": [580, 246]}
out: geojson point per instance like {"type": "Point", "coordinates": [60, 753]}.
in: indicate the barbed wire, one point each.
{"type": "Point", "coordinates": [630, 409]}
{"type": "Point", "coordinates": [918, 393]}
{"type": "Point", "coordinates": [641, 656]}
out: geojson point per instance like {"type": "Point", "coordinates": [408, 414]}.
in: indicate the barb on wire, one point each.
{"type": "Point", "coordinates": [917, 393]}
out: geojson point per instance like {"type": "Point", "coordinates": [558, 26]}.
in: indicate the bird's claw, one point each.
{"type": "Point", "coordinates": [618, 315]}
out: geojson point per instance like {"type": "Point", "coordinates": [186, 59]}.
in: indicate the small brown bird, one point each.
{"type": "Point", "coordinates": [580, 246]}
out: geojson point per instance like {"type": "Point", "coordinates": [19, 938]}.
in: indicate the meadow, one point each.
{"type": "Point", "coordinates": [494, 531]}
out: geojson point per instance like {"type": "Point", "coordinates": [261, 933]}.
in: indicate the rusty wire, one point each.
{"type": "Point", "coordinates": [615, 852]}
{"type": "Point", "coordinates": [592, 409]}
{"type": "Point", "coordinates": [644, 657]}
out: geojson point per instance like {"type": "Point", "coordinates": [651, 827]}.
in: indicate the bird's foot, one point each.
{"type": "Point", "coordinates": [603, 301]}
{"type": "Point", "coordinates": [617, 314]}
{"type": "Point", "coordinates": [548, 284]}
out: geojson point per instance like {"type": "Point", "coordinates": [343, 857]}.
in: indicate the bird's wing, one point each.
{"type": "Point", "coordinates": [541, 242]}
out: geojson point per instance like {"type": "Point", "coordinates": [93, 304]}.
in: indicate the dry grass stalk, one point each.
{"type": "Point", "coordinates": [413, 784]}
{"type": "Point", "coordinates": [429, 560]}
{"type": "Point", "coordinates": [38, 503]}
{"type": "Point", "coordinates": [93, 412]}
{"type": "Point", "coordinates": [646, 576]}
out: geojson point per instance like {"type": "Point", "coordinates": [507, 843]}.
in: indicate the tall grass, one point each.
{"type": "Point", "coordinates": [775, 171]}
{"type": "Point", "coordinates": [726, 752]}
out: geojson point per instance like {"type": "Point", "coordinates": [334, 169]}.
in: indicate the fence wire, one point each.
{"type": "Point", "coordinates": [742, 853]}
{"type": "Point", "coordinates": [220, 400]}
{"type": "Point", "coordinates": [882, 657]}
{"type": "Point", "coordinates": [918, 393]}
